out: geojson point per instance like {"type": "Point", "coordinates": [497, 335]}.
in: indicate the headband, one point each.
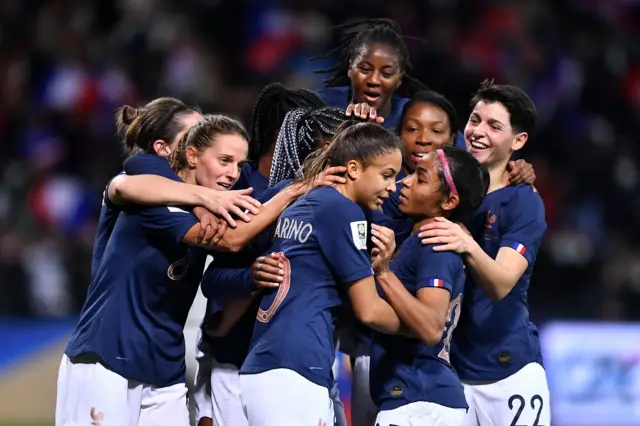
{"type": "Point", "coordinates": [447, 172]}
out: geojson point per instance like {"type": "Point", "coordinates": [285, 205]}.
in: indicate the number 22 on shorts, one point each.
{"type": "Point", "coordinates": [266, 315]}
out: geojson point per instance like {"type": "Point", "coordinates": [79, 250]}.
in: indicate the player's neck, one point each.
{"type": "Point", "coordinates": [346, 191]}
{"type": "Point", "coordinates": [498, 177]}
{"type": "Point", "coordinates": [420, 223]}
{"type": "Point", "coordinates": [188, 176]}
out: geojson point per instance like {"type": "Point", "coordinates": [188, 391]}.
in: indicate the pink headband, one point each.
{"type": "Point", "coordinates": [447, 172]}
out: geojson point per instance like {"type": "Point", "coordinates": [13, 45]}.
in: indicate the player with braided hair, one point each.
{"type": "Point", "coordinates": [269, 111]}
{"type": "Point", "coordinates": [373, 69]}
{"type": "Point", "coordinates": [303, 131]}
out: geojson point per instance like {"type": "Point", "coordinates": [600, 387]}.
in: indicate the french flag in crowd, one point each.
{"type": "Point", "coordinates": [519, 248]}
{"type": "Point", "coordinates": [435, 282]}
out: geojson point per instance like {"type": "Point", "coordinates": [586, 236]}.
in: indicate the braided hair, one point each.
{"type": "Point", "coordinates": [302, 130]}
{"type": "Point", "coordinates": [356, 35]}
{"type": "Point", "coordinates": [269, 111]}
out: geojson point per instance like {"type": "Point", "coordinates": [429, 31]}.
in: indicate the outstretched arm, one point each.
{"type": "Point", "coordinates": [236, 239]}
{"type": "Point", "coordinates": [157, 190]}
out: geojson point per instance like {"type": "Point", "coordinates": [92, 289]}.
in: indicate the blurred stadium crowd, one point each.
{"type": "Point", "coordinates": [65, 65]}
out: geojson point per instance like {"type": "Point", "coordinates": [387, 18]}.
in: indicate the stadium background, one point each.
{"type": "Point", "coordinates": [66, 64]}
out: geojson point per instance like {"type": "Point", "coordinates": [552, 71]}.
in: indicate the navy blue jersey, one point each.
{"type": "Point", "coordinates": [323, 236]}
{"type": "Point", "coordinates": [273, 190]}
{"type": "Point", "coordinates": [108, 215]}
{"type": "Point", "coordinates": [340, 97]}
{"type": "Point", "coordinates": [140, 296]}
{"type": "Point", "coordinates": [406, 370]}
{"type": "Point", "coordinates": [250, 177]}
{"type": "Point", "coordinates": [232, 281]}
{"type": "Point", "coordinates": [229, 276]}
{"type": "Point", "coordinates": [136, 165]}
{"type": "Point", "coordinates": [496, 339]}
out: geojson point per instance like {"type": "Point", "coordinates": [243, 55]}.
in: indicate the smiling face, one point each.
{"type": "Point", "coordinates": [373, 184]}
{"type": "Point", "coordinates": [375, 73]}
{"type": "Point", "coordinates": [425, 128]}
{"type": "Point", "coordinates": [218, 166]}
{"type": "Point", "coordinates": [489, 136]}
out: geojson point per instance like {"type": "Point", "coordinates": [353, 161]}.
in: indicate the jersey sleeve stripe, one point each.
{"type": "Point", "coordinates": [436, 282]}
{"type": "Point", "coordinates": [519, 247]}
{"type": "Point", "coordinates": [177, 210]}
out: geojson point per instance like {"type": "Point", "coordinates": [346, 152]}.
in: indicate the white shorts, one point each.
{"type": "Point", "coordinates": [90, 394]}
{"type": "Point", "coordinates": [363, 410]}
{"type": "Point", "coordinates": [283, 397]}
{"type": "Point", "coordinates": [520, 399]}
{"type": "Point", "coordinates": [202, 383]}
{"type": "Point", "coordinates": [422, 414]}
{"type": "Point", "coordinates": [225, 395]}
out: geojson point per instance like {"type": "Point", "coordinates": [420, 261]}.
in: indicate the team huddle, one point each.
{"type": "Point", "coordinates": [362, 216]}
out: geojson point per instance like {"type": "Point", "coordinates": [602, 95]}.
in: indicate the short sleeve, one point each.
{"type": "Point", "coordinates": [436, 268]}
{"type": "Point", "coordinates": [169, 222]}
{"type": "Point", "coordinates": [105, 195]}
{"type": "Point", "coordinates": [149, 164]}
{"type": "Point", "coordinates": [341, 230]}
{"type": "Point", "coordinates": [525, 224]}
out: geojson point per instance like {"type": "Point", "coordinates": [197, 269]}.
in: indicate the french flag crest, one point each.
{"type": "Point", "coordinates": [435, 282]}
{"type": "Point", "coordinates": [519, 248]}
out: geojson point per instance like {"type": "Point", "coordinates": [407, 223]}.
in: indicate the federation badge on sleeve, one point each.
{"type": "Point", "coordinates": [359, 234]}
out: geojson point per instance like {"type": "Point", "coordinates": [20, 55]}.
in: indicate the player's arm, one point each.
{"type": "Point", "coordinates": [496, 277]}
{"type": "Point", "coordinates": [266, 272]}
{"type": "Point", "coordinates": [221, 203]}
{"type": "Point", "coordinates": [236, 239]}
{"type": "Point", "coordinates": [149, 180]}
{"type": "Point", "coordinates": [232, 311]}
{"type": "Point", "coordinates": [372, 310]}
{"type": "Point", "coordinates": [425, 315]}
{"type": "Point", "coordinates": [158, 190]}
{"type": "Point", "coordinates": [154, 190]}
{"type": "Point", "coordinates": [342, 237]}
{"type": "Point", "coordinates": [222, 283]}
{"type": "Point", "coordinates": [524, 229]}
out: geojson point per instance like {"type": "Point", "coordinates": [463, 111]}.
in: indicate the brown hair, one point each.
{"type": "Point", "coordinates": [202, 134]}
{"type": "Point", "coordinates": [353, 141]}
{"type": "Point", "coordinates": [159, 119]}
